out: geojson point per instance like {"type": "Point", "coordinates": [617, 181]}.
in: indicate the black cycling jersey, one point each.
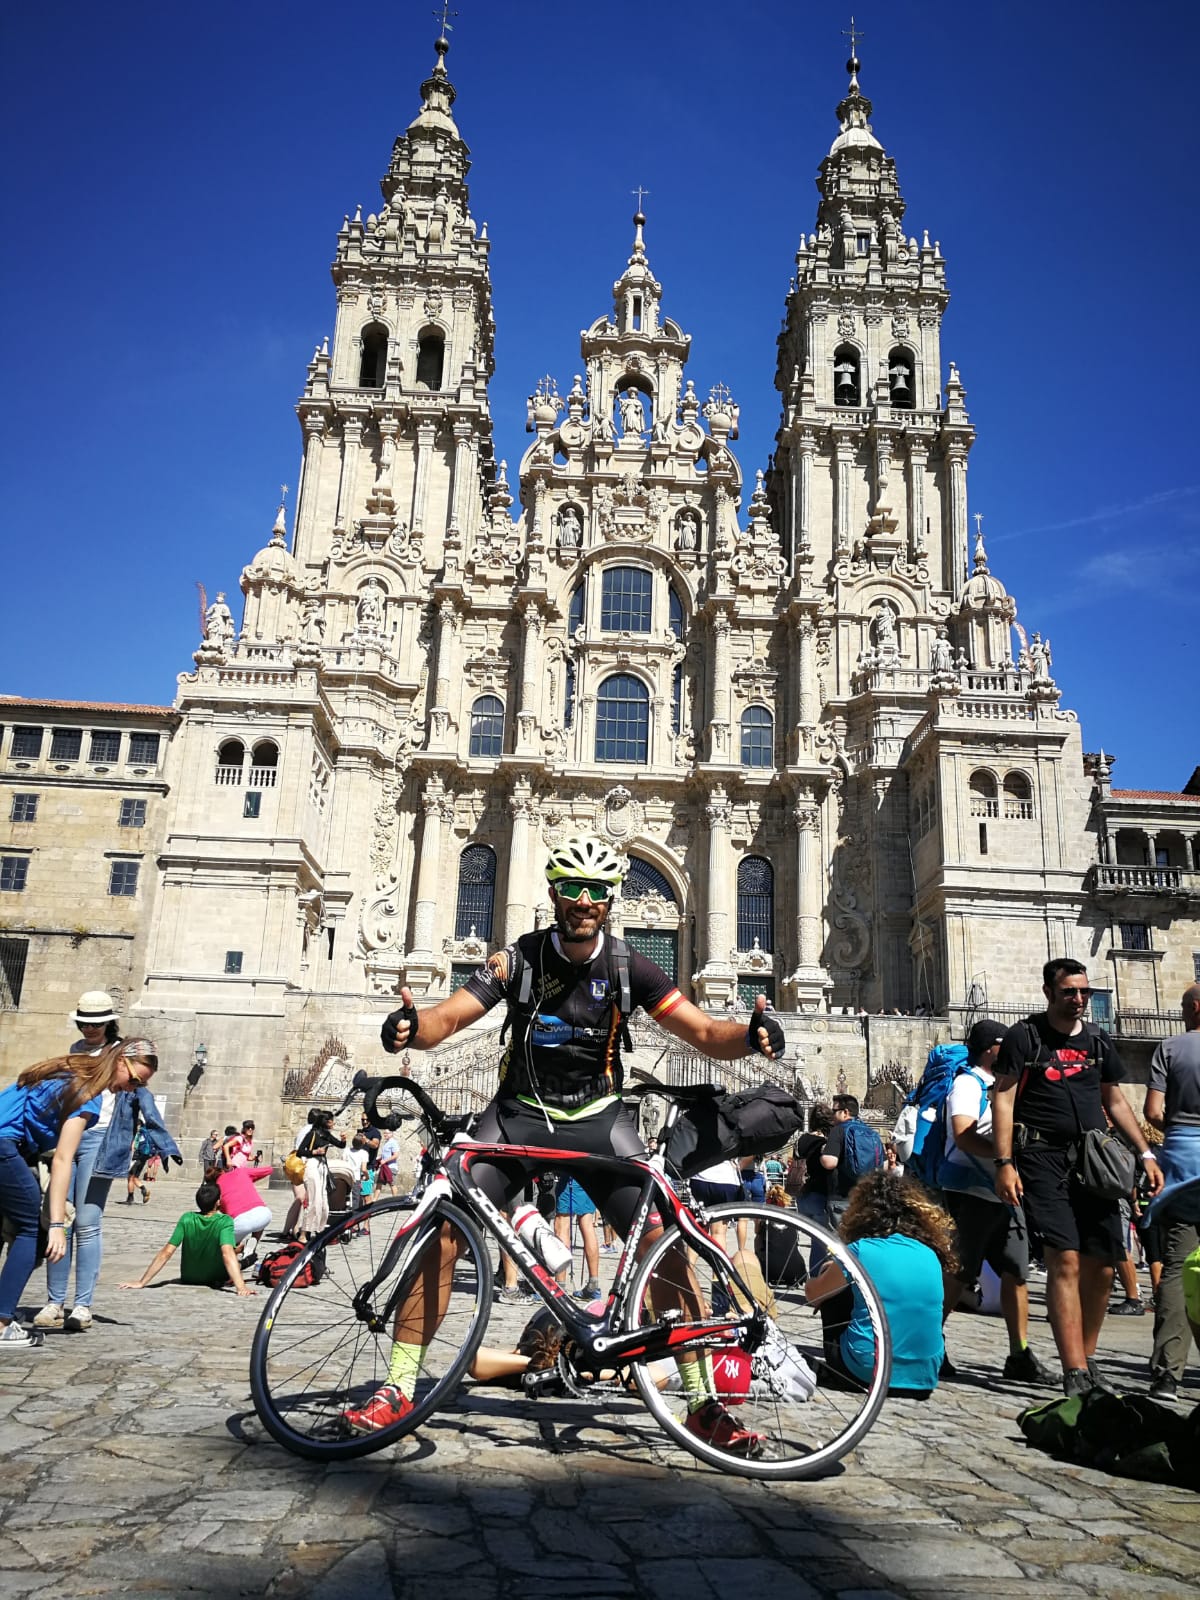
{"type": "Point", "coordinates": [568, 1054]}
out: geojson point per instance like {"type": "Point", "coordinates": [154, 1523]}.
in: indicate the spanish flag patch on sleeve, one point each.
{"type": "Point", "coordinates": [667, 1004]}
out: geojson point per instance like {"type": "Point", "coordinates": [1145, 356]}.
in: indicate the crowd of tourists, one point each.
{"type": "Point", "coordinates": [982, 1183]}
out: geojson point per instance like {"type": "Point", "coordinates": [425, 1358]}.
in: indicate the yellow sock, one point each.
{"type": "Point", "coordinates": [404, 1366]}
{"type": "Point", "coordinates": [696, 1381]}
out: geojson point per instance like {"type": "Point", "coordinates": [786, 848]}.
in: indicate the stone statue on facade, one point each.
{"type": "Point", "coordinates": [885, 631]}
{"type": "Point", "coordinates": [941, 654]}
{"type": "Point", "coordinates": [687, 538]}
{"type": "Point", "coordinates": [633, 415]}
{"type": "Point", "coordinates": [1039, 659]}
{"type": "Point", "coordinates": [312, 622]}
{"type": "Point", "coordinates": [218, 624]}
{"type": "Point", "coordinates": [570, 528]}
{"type": "Point", "coordinates": [370, 608]}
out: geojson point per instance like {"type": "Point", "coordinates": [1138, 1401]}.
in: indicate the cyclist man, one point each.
{"type": "Point", "coordinates": [561, 1078]}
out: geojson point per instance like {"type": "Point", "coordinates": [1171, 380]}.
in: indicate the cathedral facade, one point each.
{"type": "Point", "coordinates": [802, 706]}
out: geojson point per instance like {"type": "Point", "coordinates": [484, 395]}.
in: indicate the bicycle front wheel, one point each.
{"type": "Point", "coordinates": [801, 1414]}
{"type": "Point", "coordinates": [321, 1352]}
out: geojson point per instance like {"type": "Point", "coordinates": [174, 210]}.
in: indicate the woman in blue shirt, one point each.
{"type": "Point", "coordinates": [905, 1242]}
{"type": "Point", "coordinates": [50, 1107]}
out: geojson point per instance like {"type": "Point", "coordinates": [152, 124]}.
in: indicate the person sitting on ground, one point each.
{"type": "Point", "coordinates": [242, 1203]}
{"type": "Point", "coordinates": [206, 1236]}
{"type": "Point", "coordinates": [904, 1241]}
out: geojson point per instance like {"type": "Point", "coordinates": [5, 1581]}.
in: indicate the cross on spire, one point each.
{"type": "Point", "coordinates": [447, 27]}
{"type": "Point", "coordinates": [853, 34]}
{"type": "Point", "coordinates": [720, 395]}
{"type": "Point", "coordinates": [641, 193]}
{"type": "Point", "coordinates": [979, 524]}
{"type": "Point", "coordinates": [283, 491]}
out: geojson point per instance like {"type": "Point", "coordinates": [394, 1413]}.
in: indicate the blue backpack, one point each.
{"type": "Point", "coordinates": [862, 1150]}
{"type": "Point", "coordinates": [920, 1134]}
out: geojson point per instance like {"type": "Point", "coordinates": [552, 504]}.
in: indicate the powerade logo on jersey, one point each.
{"type": "Point", "coordinates": [550, 1032]}
{"type": "Point", "coordinates": [599, 988]}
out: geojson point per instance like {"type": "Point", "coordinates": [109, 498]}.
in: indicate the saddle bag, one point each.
{"type": "Point", "coordinates": [722, 1126]}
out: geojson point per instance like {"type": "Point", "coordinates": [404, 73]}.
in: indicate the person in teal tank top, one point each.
{"type": "Point", "coordinates": [905, 1242]}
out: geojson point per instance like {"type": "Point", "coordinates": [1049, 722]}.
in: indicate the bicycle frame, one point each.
{"type": "Point", "coordinates": [597, 1337]}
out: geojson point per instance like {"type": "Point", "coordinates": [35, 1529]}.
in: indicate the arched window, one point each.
{"type": "Point", "coordinates": [755, 904]}
{"type": "Point", "coordinates": [643, 879]}
{"type": "Point", "coordinates": [264, 764]}
{"type": "Point", "coordinates": [1018, 797]}
{"type": "Point", "coordinates": [487, 726]}
{"type": "Point", "coordinates": [476, 892]}
{"type": "Point", "coordinates": [231, 755]}
{"type": "Point", "coordinates": [758, 737]}
{"type": "Point", "coordinates": [675, 613]}
{"type": "Point", "coordinates": [622, 719]}
{"type": "Point", "coordinates": [902, 379]}
{"type": "Point", "coordinates": [625, 597]}
{"type": "Point", "coordinates": [431, 355]}
{"type": "Point", "coordinates": [373, 365]}
{"type": "Point", "coordinates": [576, 609]}
{"type": "Point", "coordinates": [984, 795]}
{"type": "Point", "coordinates": [847, 376]}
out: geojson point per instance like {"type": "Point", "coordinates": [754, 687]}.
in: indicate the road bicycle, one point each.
{"type": "Point", "coordinates": [322, 1350]}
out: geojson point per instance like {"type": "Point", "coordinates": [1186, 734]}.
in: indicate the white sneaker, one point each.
{"type": "Point", "coordinates": [50, 1316]}
{"type": "Point", "coordinates": [17, 1337]}
{"type": "Point", "coordinates": [80, 1320]}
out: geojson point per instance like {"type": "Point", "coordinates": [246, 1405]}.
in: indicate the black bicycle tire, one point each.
{"type": "Point", "coordinates": [442, 1390]}
{"type": "Point", "coordinates": [814, 1463]}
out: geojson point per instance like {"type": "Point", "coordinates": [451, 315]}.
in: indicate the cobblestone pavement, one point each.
{"type": "Point", "coordinates": [133, 1464]}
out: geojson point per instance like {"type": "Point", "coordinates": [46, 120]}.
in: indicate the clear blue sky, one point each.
{"type": "Point", "coordinates": [175, 177]}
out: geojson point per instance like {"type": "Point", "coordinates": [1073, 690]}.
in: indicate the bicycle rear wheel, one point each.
{"type": "Point", "coordinates": [324, 1350]}
{"type": "Point", "coordinates": [807, 1416]}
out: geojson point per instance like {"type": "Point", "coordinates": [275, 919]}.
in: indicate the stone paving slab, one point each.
{"type": "Point", "coordinates": [131, 1463]}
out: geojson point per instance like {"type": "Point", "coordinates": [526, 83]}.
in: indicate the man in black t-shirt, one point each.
{"type": "Point", "coordinates": [561, 1076]}
{"type": "Point", "coordinates": [1056, 1077]}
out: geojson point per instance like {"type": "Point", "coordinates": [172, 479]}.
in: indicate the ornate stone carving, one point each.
{"type": "Point", "coordinates": [852, 949]}
{"type": "Point", "coordinates": [623, 815]}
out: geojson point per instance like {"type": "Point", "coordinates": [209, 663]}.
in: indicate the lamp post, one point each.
{"type": "Point", "coordinates": [196, 1070]}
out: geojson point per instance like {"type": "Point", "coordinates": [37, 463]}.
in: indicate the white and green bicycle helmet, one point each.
{"type": "Point", "coordinates": [584, 856]}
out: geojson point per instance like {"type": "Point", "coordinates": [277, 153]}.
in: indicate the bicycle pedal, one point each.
{"type": "Point", "coordinates": [536, 1384]}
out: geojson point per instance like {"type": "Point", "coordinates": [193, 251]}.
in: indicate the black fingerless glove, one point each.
{"type": "Point", "coordinates": [392, 1022]}
{"type": "Point", "coordinates": [775, 1036]}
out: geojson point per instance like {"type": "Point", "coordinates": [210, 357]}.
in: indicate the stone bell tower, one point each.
{"type": "Point", "coordinates": [868, 490]}
{"type": "Point", "coordinates": [296, 813]}
{"type": "Point", "coordinates": [397, 431]}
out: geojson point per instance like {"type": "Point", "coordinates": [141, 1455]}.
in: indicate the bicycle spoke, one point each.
{"type": "Point", "coordinates": [783, 1416]}
{"type": "Point", "coordinates": [315, 1358]}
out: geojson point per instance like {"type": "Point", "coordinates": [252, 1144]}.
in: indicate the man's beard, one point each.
{"type": "Point", "coordinates": [570, 935]}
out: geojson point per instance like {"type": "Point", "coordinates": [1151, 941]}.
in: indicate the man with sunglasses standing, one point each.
{"type": "Point", "coordinates": [561, 1073]}
{"type": "Point", "coordinates": [1056, 1077]}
